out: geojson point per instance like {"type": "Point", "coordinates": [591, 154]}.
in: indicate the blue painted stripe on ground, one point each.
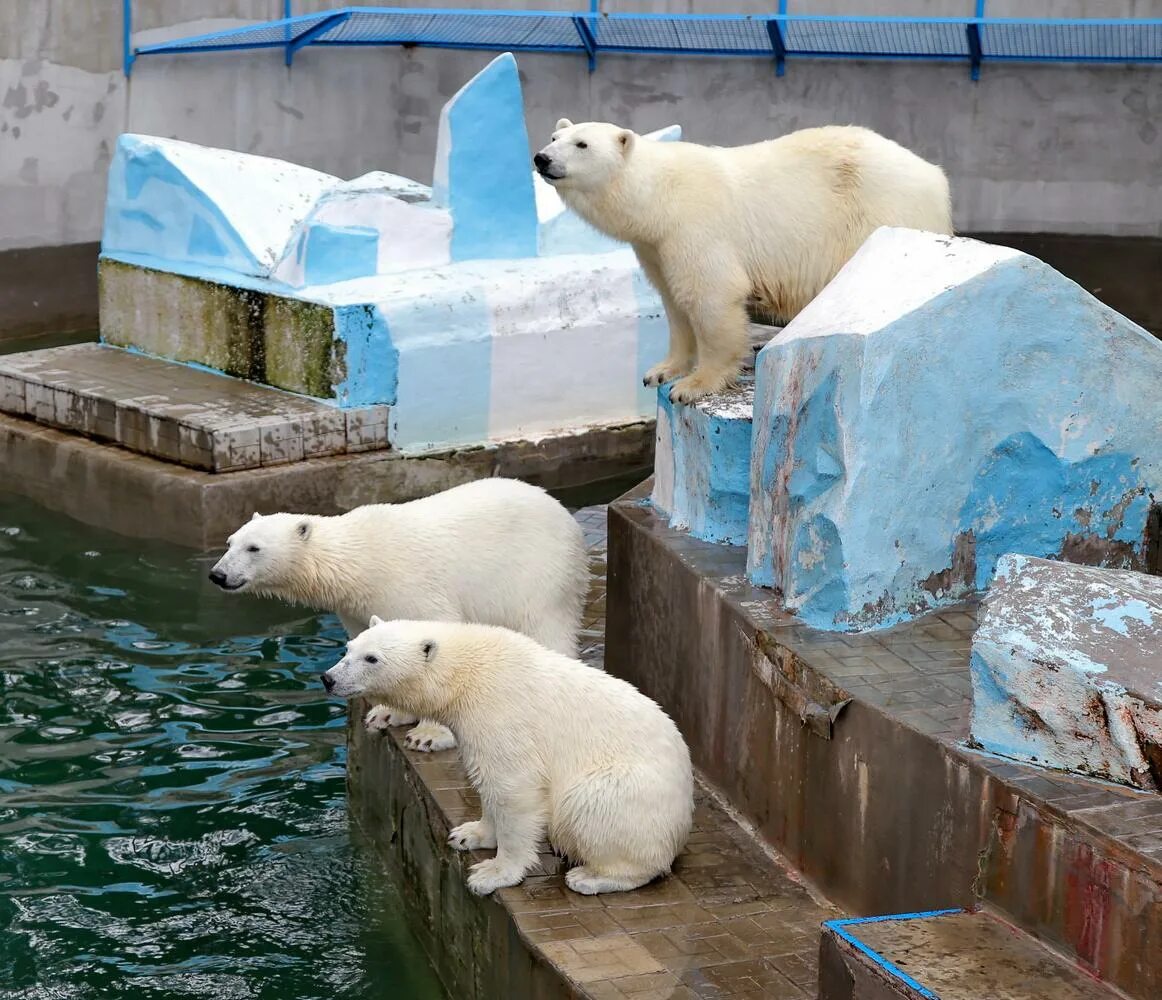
{"type": "Point", "coordinates": [838, 926]}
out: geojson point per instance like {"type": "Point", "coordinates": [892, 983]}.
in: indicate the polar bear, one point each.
{"type": "Point", "coordinates": [714, 227]}
{"type": "Point", "coordinates": [497, 551]}
{"type": "Point", "coordinates": [553, 746]}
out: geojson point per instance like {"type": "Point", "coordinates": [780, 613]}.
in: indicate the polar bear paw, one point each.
{"type": "Point", "coordinates": [694, 387]}
{"type": "Point", "coordinates": [474, 836]}
{"type": "Point", "coordinates": [492, 874]}
{"type": "Point", "coordinates": [666, 371]}
{"type": "Point", "coordinates": [381, 718]}
{"type": "Point", "coordinates": [429, 737]}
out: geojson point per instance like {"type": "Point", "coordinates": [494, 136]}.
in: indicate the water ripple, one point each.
{"type": "Point", "coordinates": [172, 815]}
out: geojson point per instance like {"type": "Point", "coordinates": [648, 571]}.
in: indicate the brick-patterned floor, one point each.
{"type": "Point", "coordinates": [728, 923]}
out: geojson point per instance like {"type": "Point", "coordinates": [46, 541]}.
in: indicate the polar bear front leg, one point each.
{"type": "Point", "coordinates": [520, 825]}
{"type": "Point", "coordinates": [477, 835]}
{"type": "Point", "coordinates": [680, 359]}
{"type": "Point", "coordinates": [430, 737]}
{"type": "Point", "coordinates": [384, 717]}
{"type": "Point", "coordinates": [715, 301]}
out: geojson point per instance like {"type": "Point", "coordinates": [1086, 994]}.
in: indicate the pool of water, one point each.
{"type": "Point", "coordinates": [172, 813]}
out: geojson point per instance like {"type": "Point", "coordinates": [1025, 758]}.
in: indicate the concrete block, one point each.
{"type": "Point", "coordinates": [280, 441]}
{"type": "Point", "coordinates": [40, 402]}
{"type": "Point", "coordinates": [12, 396]}
{"type": "Point", "coordinates": [1067, 670]}
{"type": "Point", "coordinates": [702, 464]}
{"type": "Point", "coordinates": [324, 434]}
{"type": "Point", "coordinates": [236, 448]}
{"type": "Point", "coordinates": [367, 428]}
{"type": "Point", "coordinates": [940, 403]}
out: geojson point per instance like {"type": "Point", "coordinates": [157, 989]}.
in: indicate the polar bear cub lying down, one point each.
{"type": "Point", "coordinates": [714, 227]}
{"type": "Point", "coordinates": [495, 551]}
{"type": "Point", "coordinates": [553, 746]}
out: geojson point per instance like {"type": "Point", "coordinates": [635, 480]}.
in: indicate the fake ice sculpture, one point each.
{"type": "Point", "coordinates": [940, 403]}
{"type": "Point", "coordinates": [1067, 670]}
{"type": "Point", "coordinates": [478, 309]}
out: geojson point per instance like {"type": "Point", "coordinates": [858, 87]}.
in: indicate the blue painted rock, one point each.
{"type": "Point", "coordinates": [702, 464]}
{"type": "Point", "coordinates": [940, 403]}
{"type": "Point", "coordinates": [1067, 670]}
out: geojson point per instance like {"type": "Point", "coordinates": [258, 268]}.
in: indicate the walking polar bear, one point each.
{"type": "Point", "coordinates": [553, 746]}
{"type": "Point", "coordinates": [714, 227]}
{"type": "Point", "coordinates": [495, 551]}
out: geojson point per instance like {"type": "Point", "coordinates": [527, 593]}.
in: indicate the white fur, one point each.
{"type": "Point", "coordinates": [713, 227]}
{"type": "Point", "coordinates": [553, 747]}
{"type": "Point", "coordinates": [495, 551]}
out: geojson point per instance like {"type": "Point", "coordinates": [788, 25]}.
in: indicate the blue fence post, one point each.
{"type": "Point", "coordinates": [778, 45]}
{"type": "Point", "coordinates": [975, 51]}
{"type": "Point", "coordinates": [286, 31]}
{"type": "Point", "coordinates": [587, 34]}
{"type": "Point", "coordinates": [127, 36]}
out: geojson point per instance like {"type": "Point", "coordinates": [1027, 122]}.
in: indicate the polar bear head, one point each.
{"type": "Point", "coordinates": [266, 555]}
{"type": "Point", "coordinates": [390, 660]}
{"type": "Point", "coordinates": [586, 156]}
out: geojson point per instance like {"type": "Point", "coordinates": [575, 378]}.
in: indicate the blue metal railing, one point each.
{"type": "Point", "coordinates": [779, 36]}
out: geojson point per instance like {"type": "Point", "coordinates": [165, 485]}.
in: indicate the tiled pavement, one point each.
{"type": "Point", "coordinates": [728, 923]}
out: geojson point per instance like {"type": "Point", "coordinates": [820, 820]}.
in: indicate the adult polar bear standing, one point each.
{"type": "Point", "coordinates": [713, 227]}
{"type": "Point", "coordinates": [554, 747]}
{"type": "Point", "coordinates": [495, 551]}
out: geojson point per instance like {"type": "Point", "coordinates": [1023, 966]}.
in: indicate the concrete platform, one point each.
{"type": "Point", "coordinates": [109, 487]}
{"type": "Point", "coordinates": [950, 956]}
{"type": "Point", "coordinates": [848, 753]}
{"type": "Point", "coordinates": [177, 413]}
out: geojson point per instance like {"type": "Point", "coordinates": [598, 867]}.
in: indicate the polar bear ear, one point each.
{"type": "Point", "coordinates": [625, 139]}
{"type": "Point", "coordinates": [255, 516]}
{"type": "Point", "coordinates": [429, 647]}
{"type": "Point", "coordinates": [304, 529]}
{"type": "Point", "coordinates": [375, 620]}
{"type": "Point", "coordinates": [563, 123]}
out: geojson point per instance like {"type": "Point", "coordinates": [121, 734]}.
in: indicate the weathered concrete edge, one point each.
{"type": "Point", "coordinates": [474, 945]}
{"type": "Point", "coordinates": [833, 806]}
{"type": "Point", "coordinates": [91, 481]}
{"type": "Point", "coordinates": [846, 974]}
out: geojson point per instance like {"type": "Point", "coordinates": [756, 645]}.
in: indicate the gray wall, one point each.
{"type": "Point", "coordinates": [1029, 148]}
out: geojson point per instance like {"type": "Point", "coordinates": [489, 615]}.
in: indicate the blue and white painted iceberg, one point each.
{"type": "Point", "coordinates": [479, 309]}
{"type": "Point", "coordinates": [940, 403]}
{"type": "Point", "coordinates": [1067, 670]}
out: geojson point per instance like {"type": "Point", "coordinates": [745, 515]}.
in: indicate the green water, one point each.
{"type": "Point", "coordinates": [172, 811]}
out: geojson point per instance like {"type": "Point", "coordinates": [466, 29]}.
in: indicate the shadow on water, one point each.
{"type": "Point", "coordinates": [172, 813]}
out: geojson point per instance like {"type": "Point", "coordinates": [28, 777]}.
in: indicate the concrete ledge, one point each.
{"type": "Point", "coordinates": [728, 922]}
{"type": "Point", "coordinates": [142, 497]}
{"type": "Point", "coordinates": [847, 752]}
{"type": "Point", "coordinates": [180, 414]}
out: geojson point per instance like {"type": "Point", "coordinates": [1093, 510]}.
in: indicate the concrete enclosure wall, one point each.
{"type": "Point", "coordinates": [1029, 148]}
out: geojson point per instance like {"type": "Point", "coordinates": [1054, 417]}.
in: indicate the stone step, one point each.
{"type": "Point", "coordinates": [945, 955]}
{"type": "Point", "coordinates": [177, 413]}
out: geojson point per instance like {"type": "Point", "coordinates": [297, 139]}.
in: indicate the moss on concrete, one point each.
{"type": "Point", "coordinates": [266, 338]}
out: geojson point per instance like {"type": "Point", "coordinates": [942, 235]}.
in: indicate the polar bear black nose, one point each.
{"type": "Point", "coordinates": [328, 682]}
{"type": "Point", "coordinates": [218, 577]}
{"type": "Point", "coordinates": [541, 161]}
